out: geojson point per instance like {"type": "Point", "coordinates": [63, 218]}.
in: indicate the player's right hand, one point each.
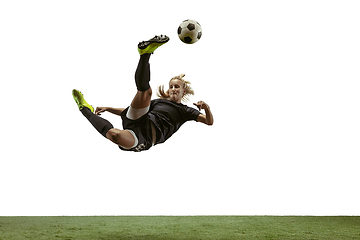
{"type": "Point", "coordinates": [99, 110]}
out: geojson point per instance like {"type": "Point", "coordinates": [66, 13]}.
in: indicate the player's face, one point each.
{"type": "Point", "coordinates": [176, 90]}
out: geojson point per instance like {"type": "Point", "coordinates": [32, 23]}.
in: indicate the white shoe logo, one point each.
{"type": "Point", "coordinates": [139, 147]}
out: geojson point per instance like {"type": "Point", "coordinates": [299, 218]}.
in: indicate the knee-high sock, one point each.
{"type": "Point", "coordinates": [100, 124]}
{"type": "Point", "coordinates": [142, 74]}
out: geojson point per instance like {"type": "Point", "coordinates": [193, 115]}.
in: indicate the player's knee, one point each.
{"type": "Point", "coordinates": [147, 92]}
{"type": "Point", "coordinates": [114, 135]}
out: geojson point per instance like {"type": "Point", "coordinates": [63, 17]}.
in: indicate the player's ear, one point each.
{"type": "Point", "coordinates": [184, 92]}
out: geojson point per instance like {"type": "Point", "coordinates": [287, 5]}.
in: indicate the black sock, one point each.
{"type": "Point", "coordinates": [100, 124]}
{"type": "Point", "coordinates": [142, 74]}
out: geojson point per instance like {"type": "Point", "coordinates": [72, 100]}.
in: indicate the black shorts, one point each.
{"type": "Point", "coordinates": [142, 129]}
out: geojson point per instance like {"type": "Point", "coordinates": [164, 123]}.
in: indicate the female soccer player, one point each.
{"type": "Point", "coordinates": [147, 122]}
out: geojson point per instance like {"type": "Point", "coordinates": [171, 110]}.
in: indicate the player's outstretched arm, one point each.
{"type": "Point", "coordinates": [116, 111]}
{"type": "Point", "coordinates": [208, 118]}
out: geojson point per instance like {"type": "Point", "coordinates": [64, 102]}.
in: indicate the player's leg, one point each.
{"type": "Point", "coordinates": [142, 79]}
{"type": "Point", "coordinates": [142, 75]}
{"type": "Point", "coordinates": [120, 137]}
{"type": "Point", "coordinates": [100, 124]}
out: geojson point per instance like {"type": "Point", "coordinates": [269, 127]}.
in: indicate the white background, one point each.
{"type": "Point", "coordinates": [282, 79]}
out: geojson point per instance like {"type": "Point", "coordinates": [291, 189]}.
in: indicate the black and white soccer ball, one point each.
{"type": "Point", "coordinates": [189, 31]}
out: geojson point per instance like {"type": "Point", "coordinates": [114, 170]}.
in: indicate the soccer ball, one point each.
{"type": "Point", "coordinates": [189, 31]}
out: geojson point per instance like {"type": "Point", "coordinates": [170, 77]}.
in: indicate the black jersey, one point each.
{"type": "Point", "coordinates": [168, 117]}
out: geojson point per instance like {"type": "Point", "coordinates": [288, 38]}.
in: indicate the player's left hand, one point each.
{"type": "Point", "coordinates": [201, 105]}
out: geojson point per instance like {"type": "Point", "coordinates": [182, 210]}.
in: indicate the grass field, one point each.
{"type": "Point", "coordinates": [180, 227]}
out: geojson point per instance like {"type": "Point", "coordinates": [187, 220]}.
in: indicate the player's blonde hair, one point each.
{"type": "Point", "coordinates": [188, 90]}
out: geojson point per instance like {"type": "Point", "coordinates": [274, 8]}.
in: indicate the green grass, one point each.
{"type": "Point", "coordinates": [180, 227]}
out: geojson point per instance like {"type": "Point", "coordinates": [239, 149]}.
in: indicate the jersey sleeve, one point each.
{"type": "Point", "coordinates": [193, 113]}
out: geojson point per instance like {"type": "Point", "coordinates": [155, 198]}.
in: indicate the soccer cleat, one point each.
{"type": "Point", "coordinates": [151, 45]}
{"type": "Point", "coordinates": [80, 101]}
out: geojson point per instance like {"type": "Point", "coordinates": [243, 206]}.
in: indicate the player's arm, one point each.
{"type": "Point", "coordinates": [116, 111]}
{"type": "Point", "coordinates": [208, 117]}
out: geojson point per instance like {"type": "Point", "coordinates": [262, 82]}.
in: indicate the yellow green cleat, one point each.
{"type": "Point", "coordinates": [80, 101]}
{"type": "Point", "coordinates": [151, 45]}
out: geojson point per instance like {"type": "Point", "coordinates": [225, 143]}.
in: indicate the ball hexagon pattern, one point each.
{"type": "Point", "coordinates": [189, 31]}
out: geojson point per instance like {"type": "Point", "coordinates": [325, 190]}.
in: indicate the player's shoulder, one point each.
{"type": "Point", "coordinates": [171, 104]}
{"type": "Point", "coordinates": [166, 101]}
